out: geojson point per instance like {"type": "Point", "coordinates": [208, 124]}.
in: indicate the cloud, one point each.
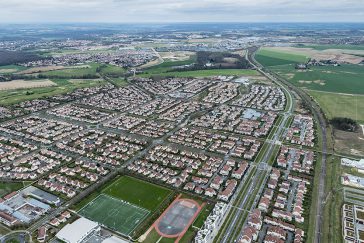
{"type": "Point", "coordinates": [180, 10]}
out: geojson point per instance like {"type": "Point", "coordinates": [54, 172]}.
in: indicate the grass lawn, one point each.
{"type": "Point", "coordinates": [114, 213]}
{"type": "Point", "coordinates": [8, 97]}
{"type": "Point", "coordinates": [204, 213]}
{"type": "Point", "coordinates": [340, 105]}
{"type": "Point", "coordinates": [152, 237]}
{"type": "Point", "coordinates": [135, 191]}
{"type": "Point", "coordinates": [8, 187]}
{"type": "Point", "coordinates": [111, 70]}
{"type": "Point", "coordinates": [332, 228]}
{"type": "Point", "coordinates": [347, 78]}
{"type": "Point", "coordinates": [120, 82]}
{"type": "Point", "coordinates": [168, 65]}
{"type": "Point", "coordinates": [206, 73]}
{"type": "Point", "coordinates": [268, 57]}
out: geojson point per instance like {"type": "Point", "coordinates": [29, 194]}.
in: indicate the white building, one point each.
{"type": "Point", "coordinates": [353, 163]}
{"type": "Point", "coordinates": [77, 231]}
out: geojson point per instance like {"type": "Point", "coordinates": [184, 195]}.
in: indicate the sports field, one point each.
{"type": "Point", "coordinates": [114, 213]}
{"type": "Point", "coordinates": [138, 192]}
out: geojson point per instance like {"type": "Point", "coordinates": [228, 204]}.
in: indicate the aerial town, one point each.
{"type": "Point", "coordinates": [169, 134]}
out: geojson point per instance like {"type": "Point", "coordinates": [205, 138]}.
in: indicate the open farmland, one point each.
{"type": "Point", "coordinates": [85, 71]}
{"type": "Point", "coordinates": [339, 55]}
{"type": "Point", "coordinates": [340, 105]}
{"type": "Point", "coordinates": [62, 86]}
{"type": "Point", "coordinates": [25, 84]}
{"type": "Point", "coordinates": [41, 69]}
{"type": "Point", "coordinates": [10, 69]}
{"type": "Point", "coordinates": [270, 57]}
{"type": "Point", "coordinates": [327, 47]}
{"type": "Point", "coordinates": [342, 79]}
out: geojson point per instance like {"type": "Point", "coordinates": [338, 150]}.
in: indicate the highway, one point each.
{"type": "Point", "coordinates": [229, 234]}
{"type": "Point", "coordinates": [320, 118]}
{"type": "Point", "coordinates": [236, 221]}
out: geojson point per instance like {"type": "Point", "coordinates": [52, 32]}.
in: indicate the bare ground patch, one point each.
{"type": "Point", "coordinates": [50, 68]}
{"type": "Point", "coordinates": [8, 70]}
{"type": "Point", "coordinates": [339, 55]}
{"type": "Point", "coordinates": [349, 142]}
{"type": "Point", "coordinates": [23, 84]}
{"type": "Point", "coordinates": [176, 55]}
{"type": "Point", "coordinates": [41, 69]}
{"type": "Point", "coordinates": [75, 81]}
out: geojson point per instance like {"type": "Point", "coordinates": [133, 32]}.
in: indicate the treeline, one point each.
{"type": "Point", "coordinates": [344, 124]}
{"type": "Point", "coordinates": [217, 60]}
{"type": "Point", "coordinates": [76, 76]}
{"type": "Point", "coordinates": [221, 58]}
{"type": "Point", "coordinates": [14, 57]}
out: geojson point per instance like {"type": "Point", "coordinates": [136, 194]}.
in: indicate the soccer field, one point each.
{"type": "Point", "coordinates": [114, 213]}
{"type": "Point", "coordinates": [137, 192]}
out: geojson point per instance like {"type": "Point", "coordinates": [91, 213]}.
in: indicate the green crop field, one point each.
{"type": "Point", "coordinates": [114, 213]}
{"type": "Point", "coordinates": [8, 97]}
{"type": "Point", "coordinates": [168, 66]}
{"type": "Point", "coordinates": [340, 105]}
{"type": "Point", "coordinates": [268, 57]}
{"type": "Point", "coordinates": [8, 187]}
{"type": "Point", "coordinates": [111, 70]}
{"type": "Point", "coordinates": [76, 72]}
{"type": "Point", "coordinates": [135, 191]}
{"type": "Point", "coordinates": [347, 78]}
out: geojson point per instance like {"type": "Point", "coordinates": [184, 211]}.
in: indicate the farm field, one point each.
{"type": "Point", "coordinates": [341, 56]}
{"type": "Point", "coordinates": [326, 47]}
{"type": "Point", "coordinates": [114, 213]}
{"type": "Point", "coordinates": [11, 69]}
{"type": "Point", "coordinates": [8, 97]}
{"type": "Point", "coordinates": [340, 105]}
{"type": "Point", "coordinates": [85, 71]}
{"type": "Point", "coordinates": [8, 187]}
{"type": "Point", "coordinates": [270, 57]}
{"type": "Point", "coordinates": [346, 78]}
{"type": "Point", "coordinates": [42, 69]}
{"type": "Point", "coordinates": [26, 84]}
{"type": "Point", "coordinates": [147, 195]}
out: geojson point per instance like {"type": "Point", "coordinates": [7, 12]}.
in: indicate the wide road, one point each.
{"type": "Point", "coordinates": [316, 110]}
{"type": "Point", "coordinates": [234, 228]}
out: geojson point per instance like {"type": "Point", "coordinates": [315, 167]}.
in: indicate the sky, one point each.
{"type": "Point", "coordinates": [134, 11]}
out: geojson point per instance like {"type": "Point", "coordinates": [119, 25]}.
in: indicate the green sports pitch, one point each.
{"type": "Point", "coordinates": [114, 213]}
